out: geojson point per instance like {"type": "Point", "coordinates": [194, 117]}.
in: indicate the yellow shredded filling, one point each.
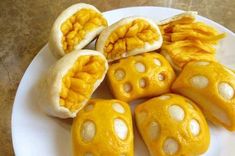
{"type": "Point", "coordinates": [78, 25]}
{"type": "Point", "coordinates": [79, 81]}
{"type": "Point", "coordinates": [129, 37]}
{"type": "Point", "coordinates": [186, 40]}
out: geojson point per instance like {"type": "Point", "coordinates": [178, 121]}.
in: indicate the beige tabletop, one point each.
{"type": "Point", "coordinates": [24, 29]}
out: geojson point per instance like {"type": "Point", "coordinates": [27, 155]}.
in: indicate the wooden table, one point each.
{"type": "Point", "coordinates": [24, 30]}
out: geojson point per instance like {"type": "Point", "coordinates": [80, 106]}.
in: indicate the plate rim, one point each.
{"type": "Point", "coordinates": [19, 88]}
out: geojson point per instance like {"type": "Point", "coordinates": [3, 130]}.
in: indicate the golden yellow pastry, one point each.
{"type": "Point", "coordinates": [74, 28]}
{"type": "Point", "coordinates": [172, 125]}
{"type": "Point", "coordinates": [103, 128]}
{"type": "Point", "coordinates": [70, 82]}
{"type": "Point", "coordinates": [211, 86]}
{"type": "Point", "coordinates": [140, 76]}
{"type": "Point", "coordinates": [185, 40]}
{"type": "Point", "coordinates": [129, 36]}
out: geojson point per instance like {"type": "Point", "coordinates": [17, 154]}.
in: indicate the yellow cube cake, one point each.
{"type": "Point", "coordinates": [140, 76]}
{"type": "Point", "coordinates": [211, 86]}
{"type": "Point", "coordinates": [103, 128]}
{"type": "Point", "coordinates": [172, 125]}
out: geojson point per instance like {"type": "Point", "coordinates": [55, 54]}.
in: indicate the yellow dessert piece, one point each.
{"type": "Point", "coordinates": [103, 127]}
{"type": "Point", "coordinates": [129, 36]}
{"type": "Point", "coordinates": [172, 125]}
{"type": "Point", "coordinates": [185, 40]}
{"type": "Point", "coordinates": [79, 81]}
{"type": "Point", "coordinates": [140, 76]}
{"type": "Point", "coordinates": [211, 86]}
{"type": "Point", "coordinates": [76, 27]}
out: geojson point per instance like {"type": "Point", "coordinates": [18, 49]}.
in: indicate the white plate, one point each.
{"type": "Point", "coordinates": [36, 134]}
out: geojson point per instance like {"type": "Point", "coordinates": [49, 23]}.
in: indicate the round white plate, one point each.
{"type": "Point", "coordinates": [36, 134]}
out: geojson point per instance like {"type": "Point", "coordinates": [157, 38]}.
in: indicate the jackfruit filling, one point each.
{"type": "Point", "coordinates": [186, 40]}
{"type": "Point", "coordinates": [76, 27]}
{"type": "Point", "coordinates": [78, 83]}
{"type": "Point", "coordinates": [128, 37]}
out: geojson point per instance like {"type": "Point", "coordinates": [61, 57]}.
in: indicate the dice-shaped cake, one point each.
{"type": "Point", "coordinates": [172, 125]}
{"type": "Point", "coordinates": [103, 127]}
{"type": "Point", "coordinates": [211, 85]}
{"type": "Point", "coordinates": [140, 76]}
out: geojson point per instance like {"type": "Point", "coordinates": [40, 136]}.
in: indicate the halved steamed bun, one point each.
{"type": "Point", "coordinates": [172, 125]}
{"type": "Point", "coordinates": [71, 81]}
{"type": "Point", "coordinates": [212, 86]}
{"type": "Point", "coordinates": [103, 128]}
{"type": "Point", "coordinates": [185, 40]}
{"type": "Point", "coordinates": [182, 18]}
{"type": "Point", "coordinates": [129, 36]}
{"type": "Point", "coordinates": [74, 28]}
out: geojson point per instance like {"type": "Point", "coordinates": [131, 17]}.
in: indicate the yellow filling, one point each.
{"type": "Point", "coordinates": [186, 40]}
{"type": "Point", "coordinates": [79, 81]}
{"type": "Point", "coordinates": [129, 37]}
{"type": "Point", "coordinates": [78, 25]}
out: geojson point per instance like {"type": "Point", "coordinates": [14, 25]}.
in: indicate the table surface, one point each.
{"type": "Point", "coordinates": [24, 30]}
